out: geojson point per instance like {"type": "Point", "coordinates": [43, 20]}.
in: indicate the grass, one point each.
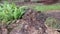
{"type": "Point", "coordinates": [47, 7]}
{"type": "Point", "coordinates": [10, 12]}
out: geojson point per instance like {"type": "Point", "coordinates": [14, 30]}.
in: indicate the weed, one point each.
{"type": "Point", "coordinates": [10, 12]}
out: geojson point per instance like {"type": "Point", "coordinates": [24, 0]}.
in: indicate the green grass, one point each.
{"type": "Point", "coordinates": [47, 7]}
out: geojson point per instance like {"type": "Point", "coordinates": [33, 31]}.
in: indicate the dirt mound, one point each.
{"type": "Point", "coordinates": [32, 23]}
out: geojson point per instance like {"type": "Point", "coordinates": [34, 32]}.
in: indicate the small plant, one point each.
{"type": "Point", "coordinates": [52, 22]}
{"type": "Point", "coordinates": [10, 12]}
